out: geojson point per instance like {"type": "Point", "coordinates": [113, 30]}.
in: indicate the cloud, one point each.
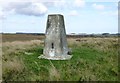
{"type": "Point", "coordinates": [112, 13]}
{"type": "Point", "coordinates": [79, 3]}
{"type": "Point", "coordinates": [73, 13]}
{"type": "Point", "coordinates": [99, 7]}
{"type": "Point", "coordinates": [59, 3]}
{"type": "Point", "coordinates": [2, 16]}
{"type": "Point", "coordinates": [31, 8]}
{"type": "Point", "coordinates": [35, 9]}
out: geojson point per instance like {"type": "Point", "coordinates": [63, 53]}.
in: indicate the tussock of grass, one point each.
{"type": "Point", "coordinates": [93, 59]}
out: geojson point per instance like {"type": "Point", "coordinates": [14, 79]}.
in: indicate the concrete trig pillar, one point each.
{"type": "Point", "coordinates": [55, 45]}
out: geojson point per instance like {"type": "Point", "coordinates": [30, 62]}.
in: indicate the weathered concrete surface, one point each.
{"type": "Point", "coordinates": [56, 47]}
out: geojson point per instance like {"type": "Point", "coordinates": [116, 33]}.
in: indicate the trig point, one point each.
{"type": "Point", "coordinates": [55, 45]}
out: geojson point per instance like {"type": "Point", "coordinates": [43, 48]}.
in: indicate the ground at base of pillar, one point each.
{"type": "Point", "coordinates": [65, 57]}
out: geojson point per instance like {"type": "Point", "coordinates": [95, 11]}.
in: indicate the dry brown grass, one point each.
{"type": "Point", "coordinates": [102, 44]}
{"type": "Point", "coordinates": [53, 72]}
{"type": "Point", "coordinates": [20, 37]}
{"type": "Point", "coordinates": [13, 63]}
{"type": "Point", "coordinates": [9, 47]}
{"type": "Point", "coordinates": [0, 57]}
{"type": "Point", "coordinates": [12, 44]}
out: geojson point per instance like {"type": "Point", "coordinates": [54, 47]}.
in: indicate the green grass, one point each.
{"type": "Point", "coordinates": [87, 64]}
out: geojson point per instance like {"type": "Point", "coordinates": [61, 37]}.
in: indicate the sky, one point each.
{"type": "Point", "coordinates": [81, 16]}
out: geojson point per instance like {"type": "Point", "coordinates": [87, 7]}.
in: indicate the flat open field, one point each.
{"type": "Point", "coordinates": [94, 59]}
{"type": "Point", "coordinates": [20, 37]}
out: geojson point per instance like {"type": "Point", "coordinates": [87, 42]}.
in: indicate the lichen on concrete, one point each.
{"type": "Point", "coordinates": [55, 46]}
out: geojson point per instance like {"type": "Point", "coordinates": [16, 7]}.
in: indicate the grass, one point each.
{"type": "Point", "coordinates": [20, 37]}
{"type": "Point", "coordinates": [94, 59]}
